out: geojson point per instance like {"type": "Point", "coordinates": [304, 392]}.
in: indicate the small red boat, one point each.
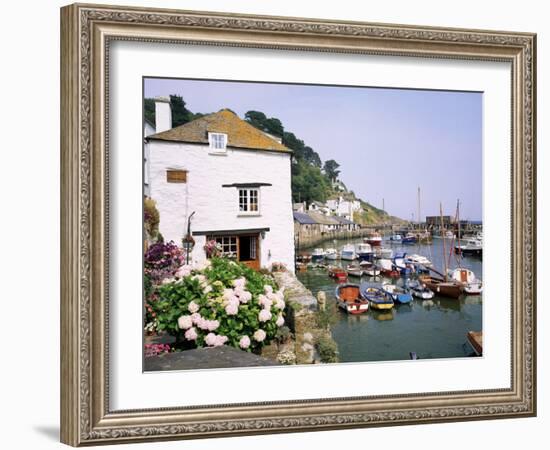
{"type": "Point", "coordinates": [337, 273]}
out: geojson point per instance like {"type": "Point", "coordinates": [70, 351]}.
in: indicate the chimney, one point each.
{"type": "Point", "coordinates": [163, 114]}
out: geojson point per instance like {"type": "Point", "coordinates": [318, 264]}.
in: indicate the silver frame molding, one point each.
{"type": "Point", "coordinates": [86, 31]}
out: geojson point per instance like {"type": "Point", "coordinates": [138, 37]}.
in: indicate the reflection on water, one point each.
{"type": "Point", "coordinates": [433, 328]}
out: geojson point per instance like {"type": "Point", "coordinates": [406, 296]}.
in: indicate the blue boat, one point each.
{"type": "Point", "coordinates": [400, 264]}
{"type": "Point", "coordinates": [408, 239]}
{"type": "Point", "coordinates": [397, 294]}
{"type": "Point", "coordinates": [376, 297]}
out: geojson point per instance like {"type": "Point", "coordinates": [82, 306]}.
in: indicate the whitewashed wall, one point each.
{"type": "Point", "coordinates": [216, 207]}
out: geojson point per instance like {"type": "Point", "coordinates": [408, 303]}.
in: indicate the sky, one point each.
{"type": "Point", "coordinates": [389, 142]}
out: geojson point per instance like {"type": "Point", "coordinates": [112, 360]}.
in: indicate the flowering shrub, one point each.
{"type": "Point", "coordinates": [156, 349]}
{"type": "Point", "coordinates": [212, 249]}
{"type": "Point", "coordinates": [162, 260]}
{"type": "Point", "coordinates": [221, 303]}
{"type": "Point", "coordinates": [151, 218]}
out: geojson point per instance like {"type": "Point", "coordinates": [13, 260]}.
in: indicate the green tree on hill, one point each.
{"type": "Point", "coordinates": [331, 169]}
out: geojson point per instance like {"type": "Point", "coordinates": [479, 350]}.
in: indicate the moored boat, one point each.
{"type": "Point", "coordinates": [471, 285]}
{"type": "Point", "coordinates": [387, 268]}
{"type": "Point", "coordinates": [364, 252]}
{"type": "Point", "coordinates": [396, 238]}
{"type": "Point", "coordinates": [397, 293]}
{"type": "Point", "coordinates": [337, 273]}
{"type": "Point", "coordinates": [369, 269]}
{"type": "Point", "coordinates": [409, 239]}
{"type": "Point", "coordinates": [374, 239]}
{"type": "Point", "coordinates": [348, 252]}
{"type": "Point", "coordinates": [400, 263]}
{"type": "Point", "coordinates": [419, 259]}
{"type": "Point", "coordinates": [376, 297]}
{"type": "Point", "coordinates": [470, 246]}
{"type": "Point", "coordinates": [317, 255]}
{"type": "Point", "coordinates": [420, 290]}
{"type": "Point", "coordinates": [349, 298]}
{"type": "Point", "coordinates": [447, 288]}
{"type": "Point", "coordinates": [354, 270]}
{"type": "Point", "coordinates": [331, 254]}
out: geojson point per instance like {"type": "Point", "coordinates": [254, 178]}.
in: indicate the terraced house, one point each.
{"type": "Point", "coordinates": [226, 179]}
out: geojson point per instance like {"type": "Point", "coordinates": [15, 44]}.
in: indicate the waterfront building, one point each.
{"type": "Point", "coordinates": [344, 207]}
{"type": "Point", "coordinates": [319, 207]}
{"type": "Point", "coordinates": [229, 179]}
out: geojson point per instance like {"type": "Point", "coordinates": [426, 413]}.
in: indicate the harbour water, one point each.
{"type": "Point", "coordinates": [431, 328]}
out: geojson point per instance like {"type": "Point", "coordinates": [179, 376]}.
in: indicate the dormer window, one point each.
{"type": "Point", "coordinates": [218, 141]}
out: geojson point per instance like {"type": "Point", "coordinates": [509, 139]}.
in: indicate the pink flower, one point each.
{"type": "Point", "coordinates": [196, 318]}
{"type": "Point", "coordinates": [264, 315]}
{"type": "Point", "coordinates": [244, 342]}
{"type": "Point", "coordinates": [210, 339]}
{"type": "Point", "coordinates": [193, 307]}
{"type": "Point", "coordinates": [259, 335]}
{"type": "Point", "coordinates": [212, 325]}
{"type": "Point", "coordinates": [183, 271]}
{"type": "Point", "coordinates": [232, 309]}
{"type": "Point", "coordinates": [239, 282]}
{"type": "Point", "coordinates": [191, 334]}
{"type": "Point", "coordinates": [202, 323]}
{"type": "Point", "coordinates": [227, 294]}
{"type": "Point", "coordinates": [220, 340]}
{"type": "Point", "coordinates": [185, 322]}
{"type": "Point", "coordinates": [168, 280]}
{"type": "Point", "coordinates": [268, 289]}
{"type": "Point", "coordinates": [280, 321]}
{"type": "Point", "coordinates": [213, 340]}
{"type": "Point", "coordinates": [280, 304]}
{"type": "Point", "coordinates": [264, 301]}
{"type": "Point", "coordinates": [207, 289]}
{"type": "Point", "coordinates": [245, 297]}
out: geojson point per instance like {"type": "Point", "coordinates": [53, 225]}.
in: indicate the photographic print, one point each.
{"type": "Point", "coordinates": [301, 224]}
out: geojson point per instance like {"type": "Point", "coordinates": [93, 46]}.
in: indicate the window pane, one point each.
{"type": "Point", "coordinates": [253, 200]}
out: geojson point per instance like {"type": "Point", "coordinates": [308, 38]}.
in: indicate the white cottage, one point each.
{"type": "Point", "coordinates": [232, 179]}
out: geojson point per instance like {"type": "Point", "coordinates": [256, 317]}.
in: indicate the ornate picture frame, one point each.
{"type": "Point", "coordinates": [86, 34]}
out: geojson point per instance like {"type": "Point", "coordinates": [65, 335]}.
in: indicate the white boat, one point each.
{"type": "Point", "coordinates": [369, 269]}
{"type": "Point", "coordinates": [374, 239]}
{"type": "Point", "coordinates": [386, 267]}
{"type": "Point", "coordinates": [317, 255]}
{"type": "Point", "coordinates": [354, 270]}
{"type": "Point", "coordinates": [471, 285]}
{"type": "Point", "coordinates": [420, 290]}
{"type": "Point", "coordinates": [364, 251]}
{"type": "Point", "coordinates": [471, 246]}
{"type": "Point", "coordinates": [419, 259]}
{"type": "Point", "coordinates": [448, 235]}
{"type": "Point", "coordinates": [396, 238]}
{"type": "Point", "coordinates": [348, 252]}
{"type": "Point", "coordinates": [331, 254]}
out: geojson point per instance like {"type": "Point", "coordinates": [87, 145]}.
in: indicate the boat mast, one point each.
{"type": "Point", "coordinates": [443, 236]}
{"type": "Point", "coordinates": [458, 233]}
{"type": "Point", "coordinates": [418, 217]}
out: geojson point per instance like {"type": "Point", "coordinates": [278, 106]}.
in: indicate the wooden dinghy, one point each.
{"type": "Point", "coordinates": [439, 286]}
{"type": "Point", "coordinates": [349, 298]}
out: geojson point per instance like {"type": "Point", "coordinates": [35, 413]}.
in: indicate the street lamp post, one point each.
{"type": "Point", "coordinates": [188, 241]}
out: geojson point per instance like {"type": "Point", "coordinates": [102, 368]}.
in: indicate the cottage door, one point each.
{"type": "Point", "coordinates": [249, 251]}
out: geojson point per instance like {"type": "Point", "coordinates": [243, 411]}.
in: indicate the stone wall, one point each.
{"type": "Point", "coordinates": [302, 312]}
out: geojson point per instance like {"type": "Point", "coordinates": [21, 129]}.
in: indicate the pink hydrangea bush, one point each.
{"type": "Point", "coordinates": [218, 303]}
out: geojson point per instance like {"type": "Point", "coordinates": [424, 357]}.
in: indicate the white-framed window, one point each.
{"type": "Point", "coordinates": [228, 245]}
{"type": "Point", "coordinates": [249, 201]}
{"type": "Point", "coordinates": [218, 141]}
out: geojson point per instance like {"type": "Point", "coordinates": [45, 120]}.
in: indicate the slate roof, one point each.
{"type": "Point", "coordinates": [303, 219]}
{"type": "Point", "coordinates": [322, 219]}
{"type": "Point", "coordinates": [343, 220]}
{"type": "Point", "coordinates": [240, 134]}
